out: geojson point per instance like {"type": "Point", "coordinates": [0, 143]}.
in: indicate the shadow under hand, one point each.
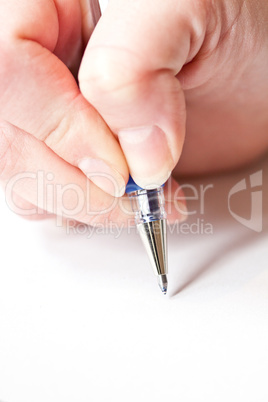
{"type": "Point", "coordinates": [228, 205]}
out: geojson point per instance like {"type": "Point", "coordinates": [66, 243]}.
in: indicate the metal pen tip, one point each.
{"type": "Point", "coordinates": [162, 282]}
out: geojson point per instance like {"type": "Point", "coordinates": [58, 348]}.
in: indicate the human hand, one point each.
{"type": "Point", "coordinates": [51, 128]}
{"type": "Point", "coordinates": [148, 64]}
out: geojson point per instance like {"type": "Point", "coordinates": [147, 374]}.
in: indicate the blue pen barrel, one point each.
{"type": "Point", "coordinates": [132, 186]}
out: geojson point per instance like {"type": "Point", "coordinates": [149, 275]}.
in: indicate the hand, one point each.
{"type": "Point", "coordinates": [51, 128]}
{"type": "Point", "coordinates": [148, 63]}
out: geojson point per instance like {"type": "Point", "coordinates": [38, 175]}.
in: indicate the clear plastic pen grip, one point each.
{"type": "Point", "coordinates": [148, 205]}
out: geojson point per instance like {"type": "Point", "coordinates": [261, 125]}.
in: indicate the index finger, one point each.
{"type": "Point", "coordinates": [39, 94]}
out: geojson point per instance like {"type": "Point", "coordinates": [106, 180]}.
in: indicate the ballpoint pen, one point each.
{"type": "Point", "coordinates": [150, 217]}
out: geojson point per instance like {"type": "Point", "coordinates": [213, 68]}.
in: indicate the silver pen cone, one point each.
{"type": "Point", "coordinates": [150, 217]}
{"type": "Point", "coordinates": [162, 282]}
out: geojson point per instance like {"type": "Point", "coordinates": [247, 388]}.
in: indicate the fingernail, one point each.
{"type": "Point", "coordinates": [148, 155]}
{"type": "Point", "coordinates": [104, 176]}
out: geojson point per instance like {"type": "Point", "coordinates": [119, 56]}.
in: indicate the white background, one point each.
{"type": "Point", "coordinates": [82, 319]}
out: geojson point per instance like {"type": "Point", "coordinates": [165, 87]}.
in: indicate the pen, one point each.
{"type": "Point", "coordinates": [150, 217]}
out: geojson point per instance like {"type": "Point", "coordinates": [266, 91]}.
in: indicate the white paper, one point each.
{"type": "Point", "coordinates": [82, 319]}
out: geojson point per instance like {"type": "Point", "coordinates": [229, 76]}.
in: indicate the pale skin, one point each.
{"type": "Point", "coordinates": [147, 65]}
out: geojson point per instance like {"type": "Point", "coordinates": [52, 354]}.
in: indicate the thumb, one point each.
{"type": "Point", "coordinates": [128, 73]}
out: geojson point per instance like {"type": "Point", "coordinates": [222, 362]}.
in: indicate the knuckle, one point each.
{"type": "Point", "coordinates": [54, 139]}
{"type": "Point", "coordinates": [17, 23]}
{"type": "Point", "coordinates": [109, 71]}
{"type": "Point", "coordinates": [11, 149]}
{"type": "Point", "coordinates": [69, 129]}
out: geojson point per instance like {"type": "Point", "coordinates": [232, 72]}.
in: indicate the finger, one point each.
{"type": "Point", "coordinates": [25, 208]}
{"type": "Point", "coordinates": [47, 182]}
{"type": "Point", "coordinates": [128, 73]}
{"type": "Point", "coordinates": [39, 94]}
